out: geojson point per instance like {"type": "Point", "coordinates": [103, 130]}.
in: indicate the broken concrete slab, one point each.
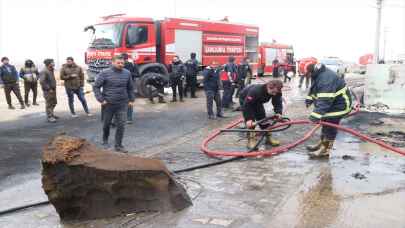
{"type": "Point", "coordinates": [83, 182]}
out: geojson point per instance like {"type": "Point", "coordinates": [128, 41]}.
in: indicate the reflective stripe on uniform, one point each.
{"type": "Point", "coordinates": [341, 113]}
{"type": "Point", "coordinates": [342, 92]}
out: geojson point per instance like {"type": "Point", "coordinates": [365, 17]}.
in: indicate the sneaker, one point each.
{"type": "Point", "coordinates": [74, 116]}
{"type": "Point", "coordinates": [89, 114]}
{"type": "Point", "coordinates": [121, 149]}
{"type": "Point", "coordinates": [56, 117]}
{"type": "Point", "coordinates": [211, 117]}
{"type": "Point", "coordinates": [51, 120]}
{"type": "Point", "coordinates": [105, 144]}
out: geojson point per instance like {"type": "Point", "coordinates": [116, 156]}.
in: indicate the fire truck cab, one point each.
{"type": "Point", "coordinates": [272, 51]}
{"type": "Point", "coordinates": [153, 43]}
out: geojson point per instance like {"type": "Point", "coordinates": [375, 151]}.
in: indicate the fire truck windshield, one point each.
{"type": "Point", "coordinates": [106, 36]}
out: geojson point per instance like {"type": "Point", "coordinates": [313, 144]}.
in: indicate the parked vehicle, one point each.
{"type": "Point", "coordinates": [335, 64]}
{"type": "Point", "coordinates": [271, 51]}
{"type": "Point", "coordinates": [153, 43]}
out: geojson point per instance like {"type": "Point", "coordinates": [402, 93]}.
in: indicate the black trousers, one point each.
{"type": "Point", "coordinates": [302, 78]}
{"type": "Point", "coordinates": [30, 86]}
{"type": "Point", "coordinates": [15, 88]}
{"type": "Point", "coordinates": [259, 113]}
{"type": "Point", "coordinates": [155, 91]}
{"type": "Point", "coordinates": [119, 113]}
{"type": "Point", "coordinates": [177, 84]}
{"type": "Point", "coordinates": [228, 94]}
{"type": "Point", "coordinates": [213, 95]}
{"type": "Point", "coordinates": [329, 133]}
{"type": "Point", "coordinates": [241, 86]}
{"type": "Point", "coordinates": [191, 84]}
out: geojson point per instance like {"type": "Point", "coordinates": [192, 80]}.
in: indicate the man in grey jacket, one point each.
{"type": "Point", "coordinates": [116, 95]}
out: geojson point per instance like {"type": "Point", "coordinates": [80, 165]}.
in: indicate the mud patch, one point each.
{"type": "Point", "coordinates": [376, 122]}
{"type": "Point", "coordinates": [394, 138]}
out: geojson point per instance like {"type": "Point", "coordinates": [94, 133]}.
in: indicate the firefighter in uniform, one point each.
{"type": "Point", "coordinates": [177, 75]}
{"type": "Point", "coordinates": [191, 75]}
{"type": "Point", "coordinates": [228, 82]}
{"type": "Point", "coordinates": [252, 100]}
{"type": "Point", "coordinates": [332, 101]}
{"type": "Point", "coordinates": [211, 88]}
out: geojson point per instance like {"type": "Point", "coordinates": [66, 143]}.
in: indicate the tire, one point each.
{"type": "Point", "coordinates": [142, 85]}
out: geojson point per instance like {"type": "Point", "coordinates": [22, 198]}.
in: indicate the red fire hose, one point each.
{"type": "Point", "coordinates": [281, 149]}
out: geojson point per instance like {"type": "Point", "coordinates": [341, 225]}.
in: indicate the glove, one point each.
{"type": "Point", "coordinates": [308, 103]}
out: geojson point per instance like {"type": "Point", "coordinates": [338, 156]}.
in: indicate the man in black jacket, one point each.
{"type": "Point", "coordinates": [211, 88]}
{"type": "Point", "coordinates": [191, 75]}
{"type": "Point", "coordinates": [177, 73]}
{"type": "Point", "coordinates": [244, 71]}
{"type": "Point", "coordinates": [332, 101]}
{"type": "Point", "coordinates": [156, 85]}
{"type": "Point", "coordinates": [116, 95]}
{"type": "Point", "coordinates": [134, 70]}
{"type": "Point", "coordinates": [9, 76]}
{"type": "Point", "coordinates": [252, 100]}
{"type": "Point", "coordinates": [30, 74]}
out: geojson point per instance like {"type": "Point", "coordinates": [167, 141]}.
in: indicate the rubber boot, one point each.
{"type": "Point", "coordinates": [324, 151]}
{"type": "Point", "coordinates": [251, 140]}
{"type": "Point", "coordinates": [271, 141]}
{"type": "Point", "coordinates": [316, 146]}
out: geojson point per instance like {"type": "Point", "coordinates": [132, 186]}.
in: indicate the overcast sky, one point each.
{"type": "Point", "coordinates": [345, 28]}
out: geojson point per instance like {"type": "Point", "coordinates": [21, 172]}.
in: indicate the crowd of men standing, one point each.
{"type": "Point", "coordinates": [114, 87]}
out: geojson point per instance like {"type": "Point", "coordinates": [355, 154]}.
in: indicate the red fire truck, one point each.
{"type": "Point", "coordinates": [153, 43]}
{"type": "Point", "coordinates": [303, 63]}
{"type": "Point", "coordinates": [271, 51]}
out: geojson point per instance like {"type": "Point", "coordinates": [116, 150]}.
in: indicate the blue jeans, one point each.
{"type": "Point", "coordinates": [80, 94]}
{"type": "Point", "coordinates": [130, 113]}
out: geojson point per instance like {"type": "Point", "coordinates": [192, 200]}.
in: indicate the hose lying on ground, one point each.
{"type": "Point", "coordinates": [252, 153]}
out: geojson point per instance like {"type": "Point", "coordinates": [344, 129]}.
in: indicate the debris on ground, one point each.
{"type": "Point", "coordinates": [347, 157]}
{"type": "Point", "coordinates": [394, 138]}
{"type": "Point", "coordinates": [359, 176]}
{"type": "Point", "coordinates": [83, 182]}
{"type": "Point", "coordinates": [377, 122]}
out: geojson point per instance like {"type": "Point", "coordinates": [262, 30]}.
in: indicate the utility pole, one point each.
{"type": "Point", "coordinates": [403, 35]}
{"type": "Point", "coordinates": [377, 33]}
{"type": "Point", "coordinates": [1, 28]}
{"type": "Point", "coordinates": [384, 54]}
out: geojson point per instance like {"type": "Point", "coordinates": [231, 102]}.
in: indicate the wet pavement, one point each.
{"type": "Point", "coordinates": [360, 186]}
